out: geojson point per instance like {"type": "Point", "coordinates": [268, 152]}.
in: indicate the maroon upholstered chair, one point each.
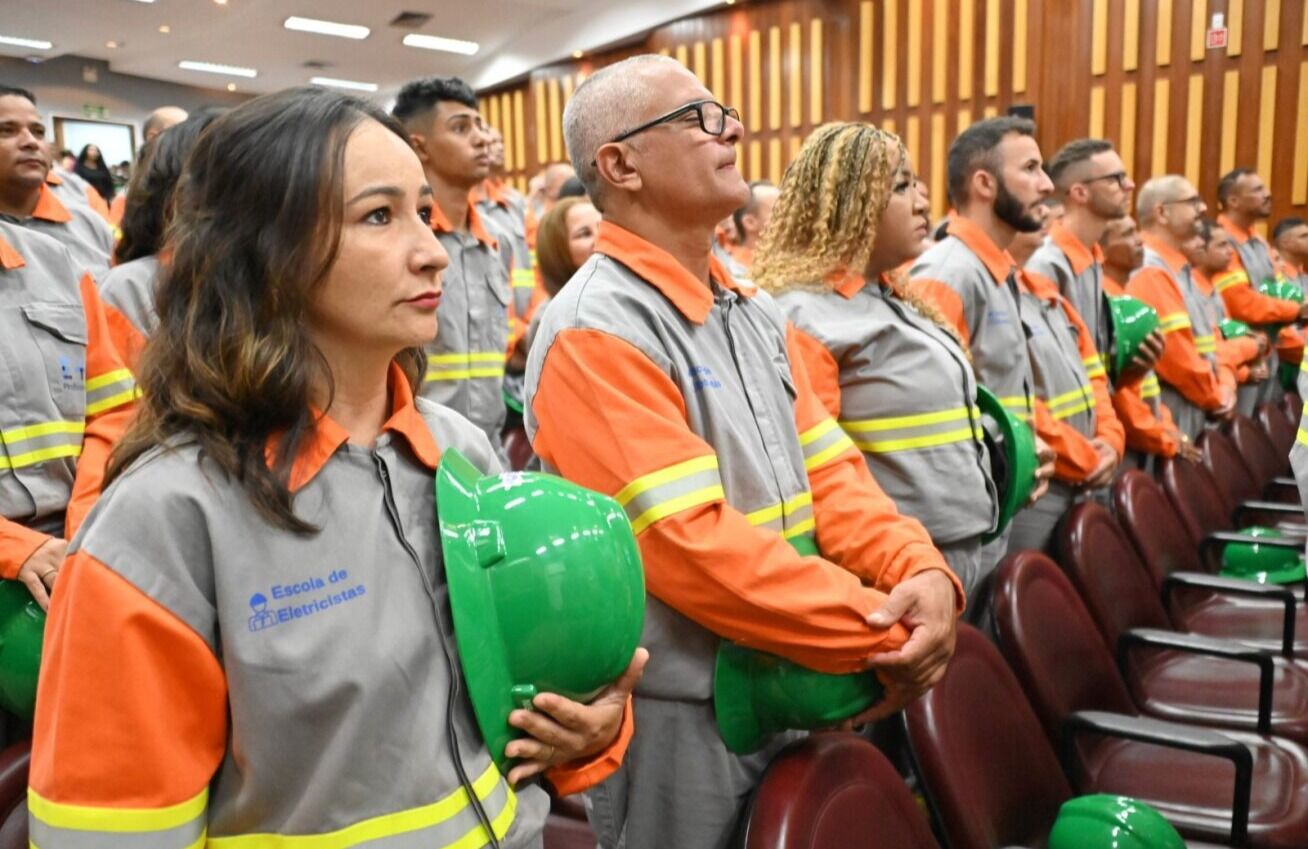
{"type": "Point", "coordinates": [1197, 601]}
{"type": "Point", "coordinates": [1204, 507]}
{"type": "Point", "coordinates": [1258, 452]}
{"type": "Point", "coordinates": [1175, 676]}
{"type": "Point", "coordinates": [1228, 468]}
{"type": "Point", "coordinates": [518, 448]}
{"type": "Point", "coordinates": [13, 829]}
{"type": "Point", "coordinates": [834, 789]}
{"type": "Point", "coordinates": [990, 773]}
{"type": "Point", "coordinates": [1292, 404]}
{"type": "Point", "coordinates": [1071, 680]}
{"type": "Point", "coordinates": [1278, 427]}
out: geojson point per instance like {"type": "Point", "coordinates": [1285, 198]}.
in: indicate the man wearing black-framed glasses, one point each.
{"type": "Point", "coordinates": [657, 378]}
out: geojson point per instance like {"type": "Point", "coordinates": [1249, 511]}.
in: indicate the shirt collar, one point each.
{"type": "Point", "coordinates": [1075, 250]}
{"type": "Point", "coordinates": [441, 224]}
{"type": "Point", "coordinates": [1175, 259]}
{"type": "Point", "coordinates": [1039, 285]}
{"type": "Point", "coordinates": [997, 261]}
{"type": "Point", "coordinates": [48, 207]}
{"type": "Point", "coordinates": [326, 437]}
{"type": "Point", "coordinates": [1240, 234]}
{"type": "Point", "coordinates": [10, 258]}
{"type": "Point", "coordinates": [53, 179]}
{"type": "Point", "coordinates": [657, 267]}
{"type": "Point", "coordinates": [846, 284]}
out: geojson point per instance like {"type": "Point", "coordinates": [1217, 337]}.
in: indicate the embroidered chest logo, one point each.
{"type": "Point", "coordinates": [998, 316]}
{"type": "Point", "coordinates": [703, 378]}
{"type": "Point", "coordinates": [72, 376]}
{"type": "Point", "coordinates": [302, 599]}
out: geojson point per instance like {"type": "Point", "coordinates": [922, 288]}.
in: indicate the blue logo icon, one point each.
{"type": "Point", "coordinates": [703, 378]}
{"type": "Point", "coordinates": [262, 618]}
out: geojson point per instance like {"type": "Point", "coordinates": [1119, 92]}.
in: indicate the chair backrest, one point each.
{"type": "Point", "coordinates": [1278, 427]}
{"type": "Point", "coordinates": [1196, 496]}
{"type": "Point", "coordinates": [13, 831]}
{"type": "Point", "coordinates": [517, 447]}
{"type": "Point", "coordinates": [1052, 643]}
{"type": "Point", "coordinates": [990, 772]}
{"type": "Point", "coordinates": [1255, 448]}
{"type": "Point", "coordinates": [1157, 532]}
{"type": "Point", "coordinates": [834, 789]}
{"type": "Point", "coordinates": [1110, 578]}
{"type": "Point", "coordinates": [1293, 406]}
{"type": "Point", "coordinates": [1223, 461]}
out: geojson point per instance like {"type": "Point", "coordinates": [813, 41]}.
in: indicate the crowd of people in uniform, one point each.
{"type": "Point", "coordinates": [245, 378]}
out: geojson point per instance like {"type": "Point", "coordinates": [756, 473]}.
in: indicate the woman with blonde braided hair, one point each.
{"type": "Point", "coordinates": [885, 364]}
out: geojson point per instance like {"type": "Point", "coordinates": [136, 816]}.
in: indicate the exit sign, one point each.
{"type": "Point", "coordinates": [1217, 38]}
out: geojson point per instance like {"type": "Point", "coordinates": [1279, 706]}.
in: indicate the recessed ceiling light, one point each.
{"type": "Point", "coordinates": [435, 42]}
{"type": "Point", "coordinates": [221, 2]}
{"type": "Point", "coordinates": [212, 68]}
{"type": "Point", "coordinates": [144, 1]}
{"type": "Point", "coordinates": [350, 84]}
{"type": "Point", "coordinates": [577, 54]}
{"type": "Point", "coordinates": [231, 86]}
{"type": "Point", "coordinates": [326, 27]}
{"type": "Point", "coordinates": [112, 45]}
{"type": "Point", "coordinates": [165, 29]}
{"type": "Point", "coordinates": [34, 43]}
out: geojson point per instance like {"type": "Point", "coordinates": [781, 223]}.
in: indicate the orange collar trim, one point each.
{"type": "Point", "coordinates": [53, 179]}
{"type": "Point", "coordinates": [846, 284]}
{"type": "Point", "coordinates": [1074, 248]}
{"type": "Point", "coordinates": [1039, 285]}
{"type": "Point", "coordinates": [1175, 259]}
{"type": "Point", "coordinates": [1201, 280]}
{"type": "Point", "coordinates": [997, 261]}
{"type": "Point", "coordinates": [327, 436]}
{"type": "Point", "coordinates": [10, 258]}
{"type": "Point", "coordinates": [657, 267]}
{"type": "Point", "coordinates": [48, 207]}
{"type": "Point", "coordinates": [1240, 234]}
{"type": "Point", "coordinates": [441, 224]}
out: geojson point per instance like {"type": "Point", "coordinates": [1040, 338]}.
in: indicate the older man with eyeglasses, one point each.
{"type": "Point", "coordinates": [1195, 386]}
{"type": "Point", "coordinates": [660, 380]}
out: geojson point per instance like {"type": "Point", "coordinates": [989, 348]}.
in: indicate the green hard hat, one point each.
{"type": "Point", "coordinates": [1111, 822]}
{"type": "Point", "coordinates": [1253, 562]}
{"type": "Point", "coordinates": [1131, 321]}
{"type": "Point", "coordinates": [1279, 287]}
{"type": "Point", "coordinates": [546, 587]}
{"type": "Point", "coordinates": [22, 631]}
{"type": "Point", "coordinates": [1013, 462]}
{"type": "Point", "coordinates": [1233, 328]}
{"type": "Point", "coordinates": [756, 694]}
{"type": "Point", "coordinates": [1287, 374]}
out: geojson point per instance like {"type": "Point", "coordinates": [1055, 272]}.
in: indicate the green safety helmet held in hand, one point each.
{"type": "Point", "coordinates": [1287, 374]}
{"type": "Point", "coordinates": [756, 694]}
{"type": "Point", "coordinates": [22, 631]}
{"type": "Point", "coordinates": [1111, 822]}
{"type": "Point", "coordinates": [1131, 321]}
{"type": "Point", "coordinates": [1279, 287]}
{"type": "Point", "coordinates": [1233, 328]}
{"type": "Point", "coordinates": [1250, 561]}
{"type": "Point", "coordinates": [1013, 462]}
{"type": "Point", "coordinates": [546, 586]}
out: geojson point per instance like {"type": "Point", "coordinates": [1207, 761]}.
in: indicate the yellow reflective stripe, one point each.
{"type": "Point", "coordinates": [1231, 278]}
{"type": "Point", "coordinates": [389, 825]}
{"type": "Point", "coordinates": [817, 432]}
{"type": "Point", "coordinates": [1016, 403]}
{"type": "Point", "coordinates": [1302, 436]}
{"type": "Point", "coordinates": [31, 458]}
{"type": "Point", "coordinates": [465, 357]}
{"type": "Point", "coordinates": [675, 505]}
{"type": "Point", "coordinates": [463, 374]}
{"type": "Point", "coordinates": [1205, 344]}
{"type": "Point", "coordinates": [665, 475]}
{"type": "Point", "coordinates": [897, 422]}
{"type": "Point", "coordinates": [1174, 321]}
{"type": "Point", "coordinates": [841, 445]}
{"type": "Point", "coordinates": [86, 818]}
{"type": "Point", "coordinates": [1094, 366]}
{"type": "Point", "coordinates": [1068, 412]}
{"type": "Point", "coordinates": [1074, 395]}
{"type": "Point", "coordinates": [113, 401]}
{"type": "Point", "coordinates": [886, 446]}
{"type": "Point", "coordinates": [767, 514]}
{"type": "Point", "coordinates": [1149, 387]}
{"type": "Point", "coordinates": [19, 434]}
{"type": "Point", "coordinates": [800, 529]}
{"type": "Point", "coordinates": [523, 278]}
{"type": "Point", "coordinates": [101, 380]}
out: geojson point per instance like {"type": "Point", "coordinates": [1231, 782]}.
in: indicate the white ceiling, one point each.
{"type": "Point", "coordinates": [515, 36]}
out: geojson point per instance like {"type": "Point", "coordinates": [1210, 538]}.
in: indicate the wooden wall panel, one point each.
{"type": "Point", "coordinates": [1137, 71]}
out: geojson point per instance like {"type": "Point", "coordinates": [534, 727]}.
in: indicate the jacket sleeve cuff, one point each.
{"type": "Point", "coordinates": [922, 564]}
{"type": "Point", "coordinates": [576, 776]}
{"type": "Point", "coordinates": [17, 543]}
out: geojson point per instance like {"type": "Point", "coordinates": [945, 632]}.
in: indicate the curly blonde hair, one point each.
{"type": "Point", "coordinates": [824, 223]}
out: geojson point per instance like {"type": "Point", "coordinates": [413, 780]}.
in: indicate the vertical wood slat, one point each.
{"type": "Point", "coordinates": [756, 160]}
{"type": "Point", "coordinates": [1299, 186]}
{"type": "Point", "coordinates": [682, 54]}
{"type": "Point", "coordinates": [519, 118]}
{"type": "Point", "coordinates": [937, 166]}
{"type": "Point", "coordinates": [1162, 92]}
{"type": "Point", "coordinates": [718, 71]}
{"type": "Point", "coordinates": [889, 54]}
{"type": "Point", "coordinates": [1163, 47]}
{"type": "Point", "coordinates": [509, 130]}
{"type": "Point", "coordinates": [1235, 20]}
{"type": "Point", "coordinates": [816, 56]}
{"type": "Point", "coordinates": [555, 121]}
{"type": "Point", "coordinates": [774, 78]}
{"type": "Point", "coordinates": [492, 112]}
{"type": "Point", "coordinates": [1099, 38]}
{"type": "Point", "coordinates": [755, 81]}
{"type": "Point", "coordinates": [1272, 25]}
{"type": "Point", "coordinates": [1267, 121]}
{"type": "Point", "coordinates": [542, 122]}
{"type": "Point", "coordinates": [1198, 26]}
{"type": "Point", "coordinates": [1021, 15]}
{"type": "Point", "coordinates": [1131, 35]}
{"type": "Point", "coordinates": [1230, 118]}
{"type": "Point", "coordinates": [940, 24]}
{"type": "Point", "coordinates": [966, 33]}
{"type": "Point", "coordinates": [992, 48]}
{"type": "Point", "coordinates": [795, 74]}
{"type": "Point", "coordinates": [1194, 121]}
{"type": "Point", "coordinates": [914, 94]}
{"type": "Point", "coordinates": [1097, 112]}
{"type": "Point", "coordinates": [699, 58]}
{"type": "Point", "coordinates": [865, 56]}
{"type": "Point", "coordinates": [774, 160]}
{"type": "Point", "coordinates": [735, 61]}
{"type": "Point", "coordinates": [1127, 145]}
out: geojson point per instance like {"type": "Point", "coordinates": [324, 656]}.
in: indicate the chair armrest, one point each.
{"type": "Point", "coordinates": [1209, 647]}
{"type": "Point", "coordinates": [1173, 736]}
{"type": "Point", "coordinates": [1272, 509]}
{"type": "Point", "coordinates": [1214, 543]}
{"type": "Point", "coordinates": [1233, 586]}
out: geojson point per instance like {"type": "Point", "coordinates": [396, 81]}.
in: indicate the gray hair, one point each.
{"type": "Point", "coordinates": [1155, 193]}
{"type": "Point", "coordinates": [612, 100]}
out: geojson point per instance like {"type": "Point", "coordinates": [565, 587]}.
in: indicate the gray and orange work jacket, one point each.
{"type": "Point", "coordinates": [65, 394]}
{"type": "Point", "coordinates": [211, 679]}
{"type": "Point", "coordinates": [687, 401]}
{"type": "Point", "coordinates": [903, 390]}
{"type": "Point", "coordinates": [87, 236]}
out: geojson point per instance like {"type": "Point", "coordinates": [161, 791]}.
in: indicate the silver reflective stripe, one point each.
{"type": "Point", "coordinates": [921, 430]}
{"type": "Point", "coordinates": [465, 366]}
{"type": "Point", "coordinates": [822, 443]}
{"type": "Point", "coordinates": [670, 490]}
{"type": "Point", "coordinates": [27, 446]}
{"type": "Point", "coordinates": [44, 835]}
{"type": "Point", "coordinates": [109, 390]}
{"type": "Point", "coordinates": [791, 519]}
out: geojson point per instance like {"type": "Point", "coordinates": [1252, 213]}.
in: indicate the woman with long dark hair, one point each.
{"type": "Point", "coordinates": [91, 167]}
{"type": "Point", "coordinates": [251, 638]}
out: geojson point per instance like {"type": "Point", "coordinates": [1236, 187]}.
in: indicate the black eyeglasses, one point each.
{"type": "Point", "coordinates": [1118, 177]}
{"type": "Point", "coordinates": [712, 118]}
{"type": "Point", "coordinates": [1196, 201]}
